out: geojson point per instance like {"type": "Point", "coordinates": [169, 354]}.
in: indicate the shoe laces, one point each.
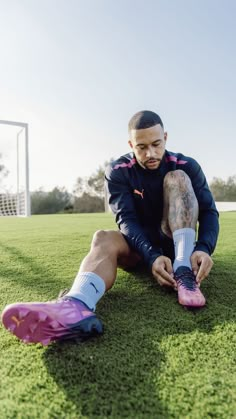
{"type": "Point", "coordinates": [62, 293]}
{"type": "Point", "coordinates": [187, 280]}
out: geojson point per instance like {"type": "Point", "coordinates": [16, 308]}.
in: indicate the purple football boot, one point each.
{"type": "Point", "coordinates": [189, 293]}
{"type": "Point", "coordinates": [66, 318]}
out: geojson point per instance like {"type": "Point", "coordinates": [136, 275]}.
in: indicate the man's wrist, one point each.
{"type": "Point", "coordinates": [153, 258]}
{"type": "Point", "coordinates": [202, 247]}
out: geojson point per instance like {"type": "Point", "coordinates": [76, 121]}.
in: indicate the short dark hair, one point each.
{"type": "Point", "coordinates": [144, 119]}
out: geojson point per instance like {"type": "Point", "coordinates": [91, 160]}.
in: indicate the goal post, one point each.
{"type": "Point", "coordinates": [15, 194]}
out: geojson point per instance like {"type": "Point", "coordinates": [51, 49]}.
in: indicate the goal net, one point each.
{"type": "Point", "coordinates": [14, 169]}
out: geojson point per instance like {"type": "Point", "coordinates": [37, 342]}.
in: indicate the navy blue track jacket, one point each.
{"type": "Point", "coordinates": [136, 198]}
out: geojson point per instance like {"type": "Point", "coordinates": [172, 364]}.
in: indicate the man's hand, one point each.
{"type": "Point", "coordinates": [201, 265]}
{"type": "Point", "coordinates": [163, 272]}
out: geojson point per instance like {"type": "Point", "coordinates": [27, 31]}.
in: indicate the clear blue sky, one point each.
{"type": "Point", "coordinates": [77, 70]}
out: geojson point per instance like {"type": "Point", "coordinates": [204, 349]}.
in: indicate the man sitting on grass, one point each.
{"type": "Point", "coordinates": [158, 197]}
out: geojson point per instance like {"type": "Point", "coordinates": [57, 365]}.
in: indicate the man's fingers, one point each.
{"type": "Point", "coordinates": [165, 275]}
{"type": "Point", "coordinates": [204, 270]}
{"type": "Point", "coordinates": [195, 265]}
{"type": "Point", "coordinates": [164, 278]}
{"type": "Point", "coordinates": [163, 271]}
{"type": "Point", "coordinates": [201, 265]}
{"type": "Point", "coordinates": [162, 282]}
{"type": "Point", "coordinates": [168, 266]}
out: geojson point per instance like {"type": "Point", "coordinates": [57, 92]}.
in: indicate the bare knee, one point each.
{"type": "Point", "coordinates": [177, 178]}
{"type": "Point", "coordinates": [101, 238]}
{"type": "Point", "coordinates": [106, 240]}
{"type": "Point", "coordinates": [112, 244]}
{"type": "Point", "coordinates": [180, 202]}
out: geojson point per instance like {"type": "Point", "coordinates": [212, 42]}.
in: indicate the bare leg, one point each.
{"type": "Point", "coordinates": [179, 222]}
{"type": "Point", "coordinates": [73, 315]}
{"type": "Point", "coordinates": [180, 203]}
{"type": "Point", "coordinates": [108, 250]}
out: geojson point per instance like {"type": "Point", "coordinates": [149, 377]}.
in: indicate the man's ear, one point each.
{"type": "Point", "coordinates": [130, 144]}
{"type": "Point", "coordinates": [165, 135]}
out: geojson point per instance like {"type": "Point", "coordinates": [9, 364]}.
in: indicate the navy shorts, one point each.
{"type": "Point", "coordinates": [160, 240]}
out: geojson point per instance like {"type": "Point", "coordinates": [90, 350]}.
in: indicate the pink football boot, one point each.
{"type": "Point", "coordinates": [66, 318]}
{"type": "Point", "coordinates": [189, 293]}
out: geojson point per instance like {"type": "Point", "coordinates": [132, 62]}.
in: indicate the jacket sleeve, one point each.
{"type": "Point", "coordinates": [208, 229]}
{"type": "Point", "coordinates": [122, 205]}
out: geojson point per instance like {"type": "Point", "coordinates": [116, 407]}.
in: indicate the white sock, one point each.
{"type": "Point", "coordinates": [88, 287]}
{"type": "Point", "coordinates": [184, 243]}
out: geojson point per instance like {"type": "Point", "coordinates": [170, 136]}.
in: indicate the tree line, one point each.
{"type": "Point", "coordinates": [224, 190]}
{"type": "Point", "coordinates": [89, 195]}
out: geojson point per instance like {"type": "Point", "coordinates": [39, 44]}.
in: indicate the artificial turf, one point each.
{"type": "Point", "coordinates": [155, 359]}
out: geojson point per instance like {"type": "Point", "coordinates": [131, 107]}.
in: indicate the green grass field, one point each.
{"type": "Point", "coordinates": [155, 359]}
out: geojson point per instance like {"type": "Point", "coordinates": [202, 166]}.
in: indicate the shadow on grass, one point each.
{"type": "Point", "coordinates": [110, 376]}
{"type": "Point", "coordinates": [117, 375]}
{"type": "Point", "coordinates": [30, 272]}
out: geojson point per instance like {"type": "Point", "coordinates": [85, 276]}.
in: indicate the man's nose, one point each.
{"type": "Point", "coordinates": [149, 152]}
